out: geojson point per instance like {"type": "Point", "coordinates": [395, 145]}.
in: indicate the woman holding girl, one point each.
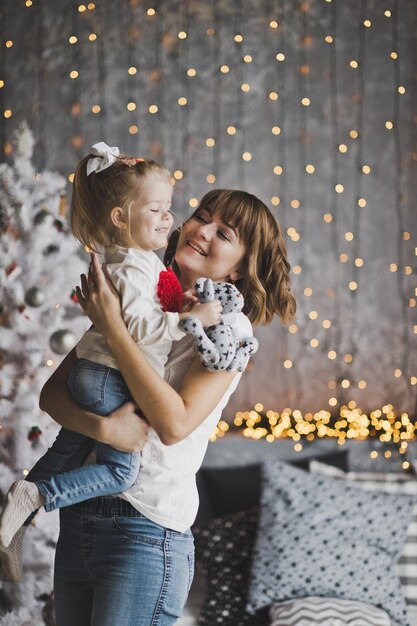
{"type": "Point", "coordinates": [129, 560]}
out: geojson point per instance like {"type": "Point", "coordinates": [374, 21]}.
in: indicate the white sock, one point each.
{"type": "Point", "coordinates": [11, 557]}
{"type": "Point", "coordinates": [22, 499]}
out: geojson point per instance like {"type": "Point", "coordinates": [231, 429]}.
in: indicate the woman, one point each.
{"type": "Point", "coordinates": [129, 560]}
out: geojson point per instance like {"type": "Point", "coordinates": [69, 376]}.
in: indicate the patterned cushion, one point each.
{"type": "Point", "coordinates": [390, 483]}
{"type": "Point", "coordinates": [224, 547]}
{"type": "Point", "coordinates": [326, 612]}
{"type": "Point", "coordinates": [317, 537]}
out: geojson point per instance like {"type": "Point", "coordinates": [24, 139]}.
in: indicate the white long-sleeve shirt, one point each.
{"type": "Point", "coordinates": [135, 275]}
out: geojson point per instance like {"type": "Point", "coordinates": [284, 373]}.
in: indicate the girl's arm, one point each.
{"type": "Point", "coordinates": [173, 415]}
{"type": "Point", "coordinates": [123, 429]}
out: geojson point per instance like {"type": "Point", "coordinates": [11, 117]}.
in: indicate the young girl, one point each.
{"type": "Point", "coordinates": [120, 206]}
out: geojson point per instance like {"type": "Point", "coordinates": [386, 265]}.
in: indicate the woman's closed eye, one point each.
{"type": "Point", "coordinates": [220, 233]}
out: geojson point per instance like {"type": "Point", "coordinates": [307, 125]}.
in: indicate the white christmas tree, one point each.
{"type": "Point", "coordinates": [40, 263]}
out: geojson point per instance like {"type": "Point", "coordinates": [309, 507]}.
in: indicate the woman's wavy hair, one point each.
{"type": "Point", "coordinates": [94, 197]}
{"type": "Point", "coordinates": [265, 281]}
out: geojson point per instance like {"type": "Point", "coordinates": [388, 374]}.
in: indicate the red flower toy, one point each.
{"type": "Point", "coordinates": [169, 291]}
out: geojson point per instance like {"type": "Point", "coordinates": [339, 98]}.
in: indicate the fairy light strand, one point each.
{"type": "Point", "coordinates": [292, 378]}
{"type": "Point", "coordinates": [128, 21]}
{"type": "Point", "coordinates": [157, 128]}
{"type": "Point", "coordinates": [40, 80]}
{"type": "Point", "coordinates": [185, 117]}
{"type": "Point", "coordinates": [350, 422]}
{"type": "Point", "coordinates": [302, 116]}
{"type": "Point", "coordinates": [240, 99]}
{"type": "Point", "coordinates": [217, 92]}
{"type": "Point", "coordinates": [398, 185]}
{"type": "Point", "coordinates": [76, 108]}
{"type": "Point", "coordinates": [100, 59]}
{"type": "Point", "coordinates": [359, 144]}
{"type": "Point", "coordinates": [334, 177]}
{"type": "Point", "coordinates": [3, 76]}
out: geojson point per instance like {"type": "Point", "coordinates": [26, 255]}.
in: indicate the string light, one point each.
{"type": "Point", "coordinates": [349, 422]}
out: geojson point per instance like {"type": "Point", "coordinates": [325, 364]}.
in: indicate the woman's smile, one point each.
{"type": "Point", "coordinates": [194, 246]}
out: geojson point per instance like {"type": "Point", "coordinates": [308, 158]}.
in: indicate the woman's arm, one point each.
{"type": "Point", "coordinates": [173, 415]}
{"type": "Point", "coordinates": [123, 430]}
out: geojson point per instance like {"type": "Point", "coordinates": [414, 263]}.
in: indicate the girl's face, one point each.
{"type": "Point", "coordinates": [208, 247]}
{"type": "Point", "coordinates": [150, 215]}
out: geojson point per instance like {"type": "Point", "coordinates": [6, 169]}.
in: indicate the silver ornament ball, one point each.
{"type": "Point", "coordinates": [34, 297]}
{"type": "Point", "coordinates": [62, 341]}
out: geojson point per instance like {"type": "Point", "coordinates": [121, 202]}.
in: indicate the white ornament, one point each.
{"type": "Point", "coordinates": [62, 341]}
{"type": "Point", "coordinates": [34, 297]}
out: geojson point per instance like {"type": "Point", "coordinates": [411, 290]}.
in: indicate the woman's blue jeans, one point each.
{"type": "Point", "coordinates": [114, 567]}
{"type": "Point", "coordinates": [99, 389]}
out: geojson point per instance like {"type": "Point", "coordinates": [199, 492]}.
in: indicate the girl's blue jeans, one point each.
{"type": "Point", "coordinates": [113, 566]}
{"type": "Point", "coordinates": [99, 389]}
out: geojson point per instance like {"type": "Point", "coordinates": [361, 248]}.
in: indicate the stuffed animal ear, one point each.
{"type": "Point", "coordinates": [199, 286]}
{"type": "Point", "coordinates": [208, 293]}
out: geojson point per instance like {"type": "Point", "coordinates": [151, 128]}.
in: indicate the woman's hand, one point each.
{"type": "Point", "coordinates": [124, 429]}
{"type": "Point", "coordinates": [99, 299]}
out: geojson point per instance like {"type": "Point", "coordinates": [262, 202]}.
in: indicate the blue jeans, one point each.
{"type": "Point", "coordinates": [99, 389]}
{"type": "Point", "coordinates": [113, 566]}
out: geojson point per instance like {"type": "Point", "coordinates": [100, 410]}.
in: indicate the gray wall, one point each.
{"type": "Point", "coordinates": [375, 323]}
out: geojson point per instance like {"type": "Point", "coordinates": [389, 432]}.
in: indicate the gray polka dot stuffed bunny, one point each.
{"type": "Point", "coordinates": [218, 346]}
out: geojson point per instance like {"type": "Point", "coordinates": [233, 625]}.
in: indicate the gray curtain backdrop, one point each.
{"type": "Point", "coordinates": [373, 327]}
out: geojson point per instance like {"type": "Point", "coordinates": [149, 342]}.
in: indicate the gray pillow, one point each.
{"type": "Point", "coordinates": [320, 537]}
{"type": "Point", "coordinates": [389, 483]}
{"type": "Point", "coordinates": [326, 612]}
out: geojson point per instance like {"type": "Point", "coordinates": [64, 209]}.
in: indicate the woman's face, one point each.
{"type": "Point", "coordinates": [208, 247]}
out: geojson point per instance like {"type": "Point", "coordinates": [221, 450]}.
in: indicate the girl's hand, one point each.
{"type": "Point", "coordinates": [209, 313]}
{"type": "Point", "coordinates": [189, 299]}
{"type": "Point", "coordinates": [124, 429]}
{"type": "Point", "coordinates": [99, 299]}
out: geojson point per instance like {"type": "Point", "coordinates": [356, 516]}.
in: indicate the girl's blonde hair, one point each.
{"type": "Point", "coordinates": [265, 281]}
{"type": "Point", "coordinates": [94, 197]}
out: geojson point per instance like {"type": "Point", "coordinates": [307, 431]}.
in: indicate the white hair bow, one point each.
{"type": "Point", "coordinates": [104, 156]}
